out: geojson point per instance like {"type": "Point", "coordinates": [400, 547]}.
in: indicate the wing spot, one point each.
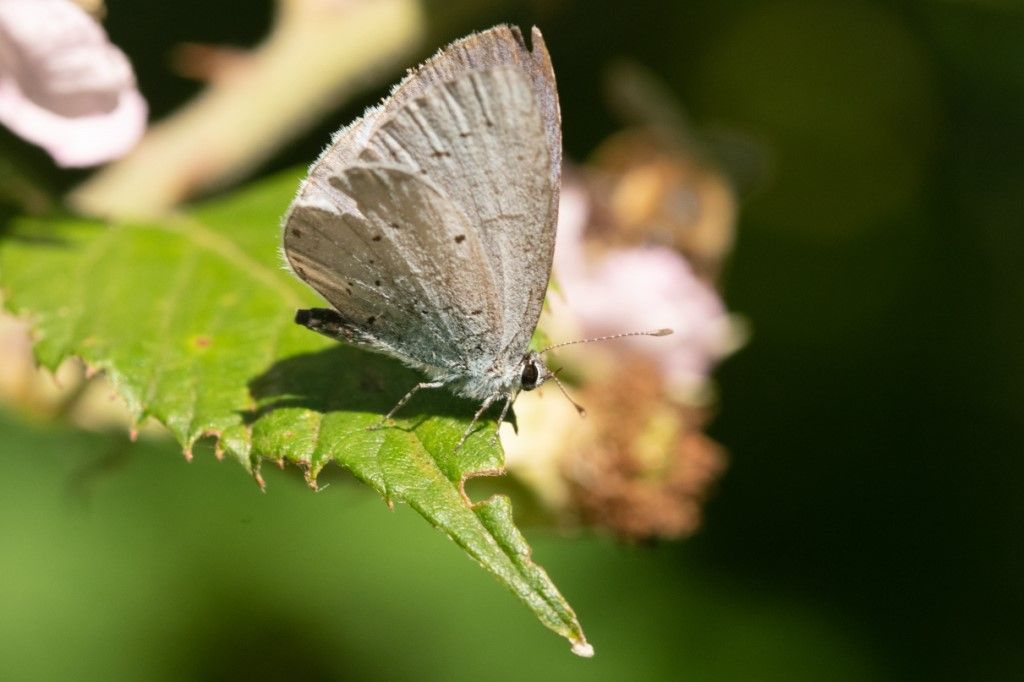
{"type": "Point", "coordinates": [296, 233]}
{"type": "Point", "coordinates": [476, 312]}
{"type": "Point", "coordinates": [376, 237]}
{"type": "Point", "coordinates": [394, 226]}
{"type": "Point", "coordinates": [459, 238]}
{"type": "Point", "coordinates": [371, 319]}
{"type": "Point", "coordinates": [465, 134]}
{"type": "Point", "coordinates": [377, 282]}
{"type": "Point", "coordinates": [440, 153]}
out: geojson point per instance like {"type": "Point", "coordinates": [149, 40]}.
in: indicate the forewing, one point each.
{"type": "Point", "coordinates": [400, 263]}
{"type": "Point", "coordinates": [518, 251]}
{"type": "Point", "coordinates": [482, 137]}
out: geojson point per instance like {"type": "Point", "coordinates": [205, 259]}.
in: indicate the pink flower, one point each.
{"type": "Point", "coordinates": [636, 289]}
{"type": "Point", "coordinates": [64, 86]}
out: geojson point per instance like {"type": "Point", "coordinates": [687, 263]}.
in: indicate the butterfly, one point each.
{"type": "Point", "coordinates": [429, 223]}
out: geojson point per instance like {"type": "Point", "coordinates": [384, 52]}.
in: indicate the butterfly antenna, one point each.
{"type": "Point", "coordinates": [579, 408]}
{"type": "Point", "coordinates": [655, 332]}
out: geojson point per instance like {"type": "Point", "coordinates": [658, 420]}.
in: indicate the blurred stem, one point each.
{"type": "Point", "coordinates": [318, 52]}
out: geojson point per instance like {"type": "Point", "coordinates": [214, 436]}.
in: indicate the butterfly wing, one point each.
{"type": "Point", "coordinates": [481, 121]}
{"type": "Point", "coordinates": [401, 265]}
{"type": "Point", "coordinates": [481, 137]}
{"type": "Point", "coordinates": [491, 86]}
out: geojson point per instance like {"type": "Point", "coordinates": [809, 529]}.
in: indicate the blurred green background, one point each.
{"type": "Point", "coordinates": [870, 525]}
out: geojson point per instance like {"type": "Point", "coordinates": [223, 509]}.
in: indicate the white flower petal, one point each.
{"type": "Point", "coordinates": [64, 86]}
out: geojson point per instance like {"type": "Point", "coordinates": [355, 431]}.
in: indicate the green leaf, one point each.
{"type": "Point", "coordinates": [191, 318]}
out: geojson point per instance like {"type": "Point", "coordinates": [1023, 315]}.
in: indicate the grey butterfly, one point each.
{"type": "Point", "coordinates": [429, 223]}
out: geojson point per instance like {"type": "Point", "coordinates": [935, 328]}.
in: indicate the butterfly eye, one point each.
{"type": "Point", "coordinates": [530, 376]}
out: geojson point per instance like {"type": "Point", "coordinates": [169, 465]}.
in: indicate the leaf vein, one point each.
{"type": "Point", "coordinates": [212, 241]}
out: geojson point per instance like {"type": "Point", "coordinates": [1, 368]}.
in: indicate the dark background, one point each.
{"type": "Point", "coordinates": [870, 525]}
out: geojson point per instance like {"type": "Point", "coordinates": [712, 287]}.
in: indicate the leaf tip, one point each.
{"type": "Point", "coordinates": [583, 649]}
{"type": "Point", "coordinates": [187, 453]}
{"type": "Point", "coordinates": [311, 480]}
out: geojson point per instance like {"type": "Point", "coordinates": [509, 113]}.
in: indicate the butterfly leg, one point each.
{"type": "Point", "coordinates": [476, 417]}
{"type": "Point", "coordinates": [406, 398]}
{"type": "Point", "coordinates": [504, 411]}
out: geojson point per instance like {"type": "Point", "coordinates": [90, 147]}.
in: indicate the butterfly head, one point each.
{"type": "Point", "coordinates": [533, 372]}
